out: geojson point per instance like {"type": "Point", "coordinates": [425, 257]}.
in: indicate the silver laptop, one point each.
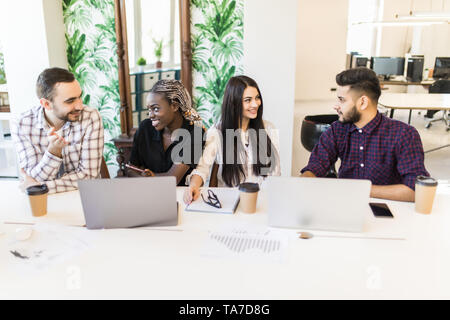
{"type": "Point", "coordinates": [129, 202]}
{"type": "Point", "coordinates": [318, 203]}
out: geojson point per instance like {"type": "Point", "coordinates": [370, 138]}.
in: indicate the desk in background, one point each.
{"type": "Point", "coordinates": [156, 264]}
{"type": "Point", "coordinates": [424, 83]}
{"type": "Point", "coordinates": [414, 101]}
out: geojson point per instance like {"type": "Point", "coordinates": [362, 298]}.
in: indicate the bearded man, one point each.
{"type": "Point", "coordinates": [60, 141]}
{"type": "Point", "coordinates": [370, 146]}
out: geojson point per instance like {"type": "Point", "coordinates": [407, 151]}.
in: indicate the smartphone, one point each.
{"type": "Point", "coordinates": [381, 210]}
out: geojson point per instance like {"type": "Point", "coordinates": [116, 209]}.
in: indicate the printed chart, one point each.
{"type": "Point", "coordinates": [246, 245]}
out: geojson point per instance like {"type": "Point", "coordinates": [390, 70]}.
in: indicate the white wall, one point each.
{"type": "Point", "coordinates": [269, 58]}
{"type": "Point", "coordinates": [321, 47]}
{"type": "Point", "coordinates": [33, 39]}
{"type": "Point", "coordinates": [431, 41]}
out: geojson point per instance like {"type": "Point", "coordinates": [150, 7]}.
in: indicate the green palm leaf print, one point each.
{"type": "Point", "coordinates": [217, 51]}
{"type": "Point", "coordinates": [91, 54]}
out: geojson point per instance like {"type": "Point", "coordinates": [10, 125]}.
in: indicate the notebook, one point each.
{"type": "Point", "coordinates": [228, 197]}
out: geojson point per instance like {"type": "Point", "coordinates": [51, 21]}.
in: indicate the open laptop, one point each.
{"type": "Point", "coordinates": [318, 203]}
{"type": "Point", "coordinates": [129, 202]}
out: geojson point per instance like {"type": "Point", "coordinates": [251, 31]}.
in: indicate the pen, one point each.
{"type": "Point", "coordinates": [134, 168]}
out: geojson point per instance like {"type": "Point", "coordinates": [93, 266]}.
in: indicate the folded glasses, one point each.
{"type": "Point", "coordinates": [212, 199]}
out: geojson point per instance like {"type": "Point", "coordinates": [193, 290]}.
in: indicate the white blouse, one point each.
{"type": "Point", "coordinates": [213, 153]}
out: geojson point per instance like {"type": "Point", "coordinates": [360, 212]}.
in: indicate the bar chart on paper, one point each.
{"type": "Point", "coordinates": [246, 245]}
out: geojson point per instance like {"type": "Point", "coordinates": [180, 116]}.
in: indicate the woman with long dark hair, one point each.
{"type": "Point", "coordinates": [244, 146]}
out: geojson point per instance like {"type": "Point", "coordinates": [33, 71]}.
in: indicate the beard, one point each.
{"type": "Point", "coordinates": [351, 117]}
{"type": "Point", "coordinates": [72, 116]}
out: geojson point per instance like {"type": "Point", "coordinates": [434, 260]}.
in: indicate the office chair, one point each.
{"type": "Point", "coordinates": [439, 86]}
{"type": "Point", "coordinates": [312, 129]}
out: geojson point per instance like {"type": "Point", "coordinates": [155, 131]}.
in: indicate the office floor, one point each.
{"type": "Point", "coordinates": [437, 162]}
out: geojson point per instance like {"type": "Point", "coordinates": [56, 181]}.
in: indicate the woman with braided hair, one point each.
{"type": "Point", "coordinates": [170, 142]}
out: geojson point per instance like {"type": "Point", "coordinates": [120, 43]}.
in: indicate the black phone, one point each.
{"type": "Point", "coordinates": [381, 210]}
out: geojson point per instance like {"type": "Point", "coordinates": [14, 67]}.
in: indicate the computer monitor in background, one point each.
{"type": "Point", "coordinates": [388, 66]}
{"type": "Point", "coordinates": [414, 68]}
{"type": "Point", "coordinates": [441, 68]}
{"type": "Point", "coordinates": [360, 62]}
{"type": "Point", "coordinates": [355, 59]}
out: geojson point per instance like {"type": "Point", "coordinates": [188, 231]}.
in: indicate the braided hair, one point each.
{"type": "Point", "coordinates": [176, 94]}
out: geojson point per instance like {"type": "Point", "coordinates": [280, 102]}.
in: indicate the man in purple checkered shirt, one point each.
{"type": "Point", "coordinates": [370, 146]}
{"type": "Point", "coordinates": [60, 141]}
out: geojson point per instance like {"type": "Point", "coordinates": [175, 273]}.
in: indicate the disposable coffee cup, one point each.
{"type": "Point", "coordinates": [38, 199]}
{"type": "Point", "coordinates": [248, 196]}
{"type": "Point", "coordinates": [424, 195]}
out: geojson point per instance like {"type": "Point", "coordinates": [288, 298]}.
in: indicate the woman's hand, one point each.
{"type": "Point", "coordinates": [193, 191]}
{"type": "Point", "coordinates": [191, 194]}
{"type": "Point", "coordinates": [147, 173]}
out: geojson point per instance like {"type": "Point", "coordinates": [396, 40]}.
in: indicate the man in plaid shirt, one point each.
{"type": "Point", "coordinates": [60, 141]}
{"type": "Point", "coordinates": [371, 146]}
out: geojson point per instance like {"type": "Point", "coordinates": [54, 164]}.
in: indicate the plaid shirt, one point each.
{"type": "Point", "coordinates": [81, 158]}
{"type": "Point", "coordinates": [385, 151]}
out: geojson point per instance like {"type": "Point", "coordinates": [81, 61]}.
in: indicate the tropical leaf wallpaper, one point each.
{"type": "Point", "coordinates": [91, 55]}
{"type": "Point", "coordinates": [2, 68]}
{"type": "Point", "coordinates": [217, 50]}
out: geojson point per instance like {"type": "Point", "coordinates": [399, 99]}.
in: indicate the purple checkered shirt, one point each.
{"type": "Point", "coordinates": [81, 158]}
{"type": "Point", "coordinates": [385, 151]}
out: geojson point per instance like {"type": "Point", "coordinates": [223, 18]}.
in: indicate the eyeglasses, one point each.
{"type": "Point", "coordinates": [212, 199]}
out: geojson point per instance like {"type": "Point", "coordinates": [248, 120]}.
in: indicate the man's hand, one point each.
{"type": "Point", "coordinates": [56, 143]}
{"type": "Point", "coordinates": [27, 181]}
{"type": "Point", "coordinates": [397, 192]}
{"type": "Point", "coordinates": [308, 174]}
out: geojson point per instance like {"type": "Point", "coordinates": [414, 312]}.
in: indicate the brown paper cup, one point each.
{"type": "Point", "coordinates": [248, 197]}
{"type": "Point", "coordinates": [424, 194]}
{"type": "Point", "coordinates": [38, 200]}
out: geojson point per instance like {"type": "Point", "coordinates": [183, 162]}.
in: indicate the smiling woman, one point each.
{"type": "Point", "coordinates": [172, 132]}
{"type": "Point", "coordinates": [243, 145]}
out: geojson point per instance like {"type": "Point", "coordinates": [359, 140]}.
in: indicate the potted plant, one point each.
{"type": "Point", "coordinates": [141, 62]}
{"type": "Point", "coordinates": [159, 45]}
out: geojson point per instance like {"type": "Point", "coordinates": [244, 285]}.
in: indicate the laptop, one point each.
{"type": "Point", "coordinates": [318, 203]}
{"type": "Point", "coordinates": [129, 202]}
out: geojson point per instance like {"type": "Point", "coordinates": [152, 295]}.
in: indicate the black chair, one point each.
{"type": "Point", "coordinates": [312, 129]}
{"type": "Point", "coordinates": [439, 86]}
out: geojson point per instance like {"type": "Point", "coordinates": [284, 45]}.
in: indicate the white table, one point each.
{"type": "Point", "coordinates": [155, 264]}
{"type": "Point", "coordinates": [415, 101]}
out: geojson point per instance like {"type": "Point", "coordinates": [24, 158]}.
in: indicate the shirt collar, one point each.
{"type": "Point", "coordinates": [368, 128]}
{"type": "Point", "coordinates": [42, 122]}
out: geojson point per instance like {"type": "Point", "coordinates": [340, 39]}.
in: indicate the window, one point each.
{"type": "Point", "coordinates": [362, 38]}
{"type": "Point", "coordinates": [149, 20]}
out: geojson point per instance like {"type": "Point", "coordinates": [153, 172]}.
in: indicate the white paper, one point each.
{"type": "Point", "coordinates": [47, 245]}
{"type": "Point", "coordinates": [247, 244]}
{"type": "Point", "coordinates": [228, 198]}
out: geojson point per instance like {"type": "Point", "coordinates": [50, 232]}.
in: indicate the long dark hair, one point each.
{"type": "Point", "coordinates": [232, 115]}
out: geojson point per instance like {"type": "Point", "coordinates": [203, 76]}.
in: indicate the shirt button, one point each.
{"type": "Point", "coordinates": [361, 148]}
{"type": "Point", "coordinates": [360, 131]}
{"type": "Point", "coordinates": [362, 165]}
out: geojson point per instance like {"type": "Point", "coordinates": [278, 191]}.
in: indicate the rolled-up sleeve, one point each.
{"type": "Point", "coordinates": [410, 157]}
{"type": "Point", "coordinates": [323, 155]}
{"type": "Point", "coordinates": [212, 145]}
